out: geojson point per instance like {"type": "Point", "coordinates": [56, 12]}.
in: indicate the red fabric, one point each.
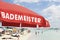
{"type": "Point", "coordinates": [10, 24]}
{"type": "Point", "coordinates": [18, 24]}
{"type": "Point", "coordinates": [20, 10]}
{"type": "Point", "coordinates": [47, 24]}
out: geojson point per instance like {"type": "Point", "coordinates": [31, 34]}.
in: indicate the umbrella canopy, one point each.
{"type": "Point", "coordinates": [47, 24]}
{"type": "Point", "coordinates": [13, 15]}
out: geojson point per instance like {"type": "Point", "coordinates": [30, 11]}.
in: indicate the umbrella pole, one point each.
{"type": "Point", "coordinates": [37, 26]}
{"type": "Point", "coordinates": [19, 32]}
{"type": "Point", "coordinates": [20, 25]}
{"type": "Point", "coordinates": [37, 29]}
{"type": "Point", "coordinates": [0, 24]}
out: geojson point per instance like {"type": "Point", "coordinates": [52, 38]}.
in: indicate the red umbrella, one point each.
{"type": "Point", "coordinates": [13, 15]}
{"type": "Point", "coordinates": [47, 24]}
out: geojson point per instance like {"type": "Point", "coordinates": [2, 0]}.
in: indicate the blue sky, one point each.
{"type": "Point", "coordinates": [50, 9]}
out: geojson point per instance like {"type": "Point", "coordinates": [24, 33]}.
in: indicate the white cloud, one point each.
{"type": "Point", "coordinates": [52, 0]}
{"type": "Point", "coordinates": [54, 15]}
{"type": "Point", "coordinates": [28, 1]}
